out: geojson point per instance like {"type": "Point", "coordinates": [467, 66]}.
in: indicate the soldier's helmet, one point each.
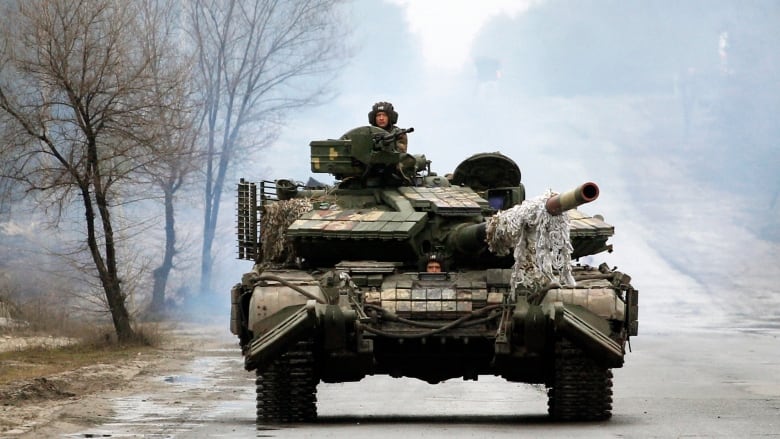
{"type": "Point", "coordinates": [385, 107]}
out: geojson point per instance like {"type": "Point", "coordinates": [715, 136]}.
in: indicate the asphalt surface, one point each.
{"type": "Point", "coordinates": [692, 383]}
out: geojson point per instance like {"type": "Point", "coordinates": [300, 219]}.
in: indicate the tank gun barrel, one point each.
{"type": "Point", "coordinates": [584, 193]}
{"type": "Point", "coordinates": [469, 239]}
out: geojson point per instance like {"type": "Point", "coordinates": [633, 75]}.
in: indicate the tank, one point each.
{"type": "Point", "coordinates": [396, 270]}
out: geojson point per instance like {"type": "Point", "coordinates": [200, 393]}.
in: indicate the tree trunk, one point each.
{"type": "Point", "coordinates": [107, 273]}
{"type": "Point", "coordinates": [213, 200]}
{"type": "Point", "coordinates": [205, 261]}
{"type": "Point", "coordinates": [214, 185]}
{"type": "Point", "coordinates": [208, 227]}
{"type": "Point", "coordinates": [162, 272]}
{"type": "Point", "coordinates": [119, 314]}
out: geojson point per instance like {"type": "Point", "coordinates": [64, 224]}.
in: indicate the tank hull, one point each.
{"type": "Point", "coordinates": [460, 324]}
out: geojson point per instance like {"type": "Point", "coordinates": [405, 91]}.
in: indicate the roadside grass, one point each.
{"type": "Point", "coordinates": [39, 361]}
{"type": "Point", "coordinates": [54, 339]}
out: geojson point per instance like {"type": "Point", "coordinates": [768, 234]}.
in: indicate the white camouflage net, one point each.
{"type": "Point", "coordinates": [542, 247]}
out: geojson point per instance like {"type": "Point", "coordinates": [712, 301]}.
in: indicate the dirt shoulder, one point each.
{"type": "Point", "coordinates": [53, 404]}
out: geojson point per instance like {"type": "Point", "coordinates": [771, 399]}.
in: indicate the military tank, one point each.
{"type": "Point", "coordinates": [395, 270]}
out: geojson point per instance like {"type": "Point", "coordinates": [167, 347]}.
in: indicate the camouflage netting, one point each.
{"type": "Point", "coordinates": [276, 218]}
{"type": "Point", "coordinates": [542, 247]}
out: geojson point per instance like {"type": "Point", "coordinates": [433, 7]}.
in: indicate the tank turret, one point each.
{"type": "Point", "coordinates": [397, 270]}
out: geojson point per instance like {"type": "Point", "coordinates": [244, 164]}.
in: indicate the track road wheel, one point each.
{"type": "Point", "coordinates": [287, 389]}
{"type": "Point", "coordinates": [581, 389]}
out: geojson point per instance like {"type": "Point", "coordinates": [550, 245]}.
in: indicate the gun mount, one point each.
{"type": "Point", "coordinates": [367, 153]}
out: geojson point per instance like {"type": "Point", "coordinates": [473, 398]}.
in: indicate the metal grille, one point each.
{"type": "Point", "coordinates": [247, 221]}
{"type": "Point", "coordinates": [268, 191]}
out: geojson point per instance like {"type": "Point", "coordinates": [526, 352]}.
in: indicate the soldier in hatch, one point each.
{"type": "Point", "coordinates": [433, 266]}
{"type": "Point", "coordinates": [383, 115]}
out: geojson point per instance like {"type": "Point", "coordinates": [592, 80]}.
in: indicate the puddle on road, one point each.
{"type": "Point", "coordinates": [209, 390]}
{"type": "Point", "coordinates": [182, 379]}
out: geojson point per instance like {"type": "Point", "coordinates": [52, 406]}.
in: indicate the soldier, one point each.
{"type": "Point", "coordinates": [383, 115]}
{"type": "Point", "coordinates": [433, 266]}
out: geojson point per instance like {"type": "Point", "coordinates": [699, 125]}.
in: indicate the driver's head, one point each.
{"type": "Point", "coordinates": [433, 265]}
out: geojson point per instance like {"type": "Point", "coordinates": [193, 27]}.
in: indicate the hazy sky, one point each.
{"type": "Point", "coordinates": [539, 77]}
{"type": "Point", "coordinates": [445, 29]}
{"type": "Point", "coordinates": [414, 54]}
{"type": "Point", "coordinates": [421, 56]}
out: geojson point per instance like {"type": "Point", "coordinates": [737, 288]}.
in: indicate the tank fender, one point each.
{"type": "Point", "coordinates": [293, 323]}
{"type": "Point", "coordinates": [277, 290]}
{"type": "Point", "coordinates": [539, 325]}
{"type": "Point", "coordinates": [275, 341]}
{"type": "Point", "coordinates": [587, 331]}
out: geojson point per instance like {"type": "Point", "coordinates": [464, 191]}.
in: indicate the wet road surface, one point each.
{"type": "Point", "coordinates": [696, 383]}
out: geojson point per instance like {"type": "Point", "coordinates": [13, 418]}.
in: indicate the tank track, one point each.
{"type": "Point", "coordinates": [287, 389]}
{"type": "Point", "coordinates": [581, 389]}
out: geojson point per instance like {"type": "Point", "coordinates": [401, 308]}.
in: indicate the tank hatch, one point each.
{"type": "Point", "coordinates": [445, 201]}
{"type": "Point", "coordinates": [358, 224]}
{"type": "Point", "coordinates": [486, 171]}
{"type": "Point", "coordinates": [368, 274]}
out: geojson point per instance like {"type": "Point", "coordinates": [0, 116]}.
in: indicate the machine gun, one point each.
{"type": "Point", "coordinates": [367, 153]}
{"type": "Point", "coordinates": [388, 142]}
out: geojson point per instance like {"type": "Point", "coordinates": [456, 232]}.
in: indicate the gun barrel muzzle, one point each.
{"type": "Point", "coordinates": [584, 193]}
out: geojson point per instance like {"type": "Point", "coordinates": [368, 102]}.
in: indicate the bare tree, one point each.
{"type": "Point", "coordinates": [170, 174]}
{"type": "Point", "coordinates": [77, 93]}
{"type": "Point", "coordinates": [175, 148]}
{"type": "Point", "coordinates": [257, 59]}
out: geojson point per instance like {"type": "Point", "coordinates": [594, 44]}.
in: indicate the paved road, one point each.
{"type": "Point", "coordinates": [694, 383]}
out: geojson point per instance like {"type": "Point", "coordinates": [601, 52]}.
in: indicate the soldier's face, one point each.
{"type": "Point", "coordinates": [433, 267]}
{"type": "Point", "coordinates": [381, 119]}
